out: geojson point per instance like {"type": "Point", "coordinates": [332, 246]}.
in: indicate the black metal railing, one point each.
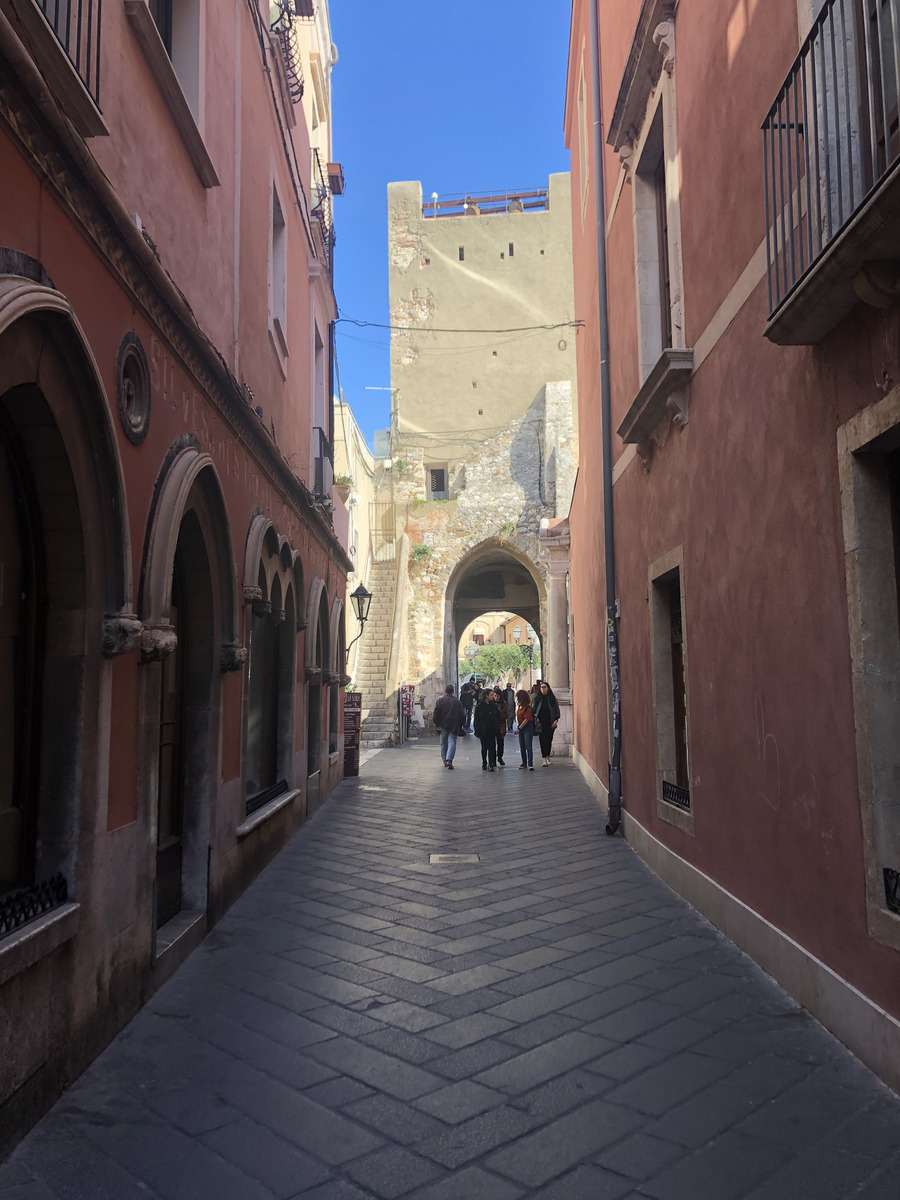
{"type": "Point", "coordinates": [76, 24]}
{"type": "Point", "coordinates": [679, 796]}
{"type": "Point", "coordinates": [282, 16]}
{"type": "Point", "coordinates": [322, 207]}
{"type": "Point", "coordinates": [32, 902]}
{"type": "Point", "coordinates": [892, 889]}
{"type": "Point", "coordinates": [831, 136]}
{"type": "Point", "coordinates": [323, 465]}
{"type": "Point", "coordinates": [255, 803]}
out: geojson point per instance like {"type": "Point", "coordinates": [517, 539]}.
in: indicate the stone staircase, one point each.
{"type": "Point", "coordinates": [379, 726]}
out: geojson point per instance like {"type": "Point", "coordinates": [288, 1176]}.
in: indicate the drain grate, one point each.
{"type": "Point", "coordinates": [453, 858]}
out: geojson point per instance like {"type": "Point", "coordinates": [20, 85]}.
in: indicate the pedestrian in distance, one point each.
{"type": "Point", "coordinates": [500, 701]}
{"type": "Point", "coordinates": [509, 695]}
{"type": "Point", "coordinates": [525, 721]}
{"type": "Point", "coordinates": [448, 717]}
{"type": "Point", "coordinates": [546, 718]}
{"type": "Point", "coordinates": [467, 696]}
{"type": "Point", "coordinates": [487, 727]}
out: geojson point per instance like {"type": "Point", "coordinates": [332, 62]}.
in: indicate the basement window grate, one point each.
{"type": "Point", "coordinates": [453, 858]}
{"type": "Point", "coordinates": [679, 796]}
{"type": "Point", "coordinates": [892, 889]}
{"type": "Point", "coordinates": [32, 902]}
{"type": "Point", "coordinates": [255, 803]}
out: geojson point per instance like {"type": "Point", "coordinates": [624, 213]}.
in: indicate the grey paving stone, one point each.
{"type": "Point", "coordinates": [586, 1183]}
{"type": "Point", "coordinates": [330, 1136]}
{"type": "Point", "coordinates": [726, 1168]}
{"type": "Point", "coordinates": [562, 1094]}
{"type": "Point", "coordinates": [474, 1138]}
{"type": "Point", "coordinates": [669, 1083]}
{"type": "Point", "coordinates": [468, 1030]}
{"type": "Point", "coordinates": [543, 1029]}
{"type": "Point", "coordinates": [381, 1071]}
{"type": "Point", "coordinates": [392, 1172]}
{"type": "Point", "coordinates": [462, 1064]}
{"type": "Point", "coordinates": [191, 1110]}
{"type": "Point", "coordinates": [459, 1101]}
{"type": "Point", "coordinates": [336, 1189]}
{"type": "Point", "coordinates": [536, 1066]}
{"type": "Point", "coordinates": [335, 1093]}
{"type": "Point", "coordinates": [564, 1143]}
{"type": "Point", "coordinates": [403, 968]}
{"type": "Point", "coordinates": [408, 1046]}
{"type": "Point", "coordinates": [410, 1017]}
{"type": "Point", "coordinates": [530, 981]}
{"type": "Point", "coordinates": [470, 1184]}
{"type": "Point", "coordinates": [262, 1054]}
{"type": "Point", "coordinates": [820, 1174]}
{"type": "Point", "coordinates": [631, 1022]}
{"type": "Point", "coordinates": [33, 1190]}
{"type": "Point", "coordinates": [545, 1000]}
{"type": "Point", "coordinates": [469, 1002]}
{"type": "Point", "coordinates": [640, 1156]}
{"type": "Point", "coordinates": [806, 1111]}
{"type": "Point", "coordinates": [344, 1020]}
{"type": "Point", "coordinates": [398, 1122]}
{"type": "Point", "coordinates": [279, 1166]}
{"type": "Point", "coordinates": [469, 981]}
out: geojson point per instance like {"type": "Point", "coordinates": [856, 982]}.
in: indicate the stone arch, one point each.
{"type": "Point", "coordinates": [315, 599]}
{"type": "Point", "coordinates": [189, 608]}
{"type": "Point", "coordinates": [64, 516]}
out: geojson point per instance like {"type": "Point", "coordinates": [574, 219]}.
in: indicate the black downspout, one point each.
{"type": "Point", "coordinates": [612, 633]}
{"type": "Point", "coordinates": [330, 400]}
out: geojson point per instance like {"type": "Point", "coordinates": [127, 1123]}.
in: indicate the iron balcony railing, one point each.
{"type": "Point", "coordinates": [469, 204]}
{"type": "Point", "coordinates": [323, 465]}
{"type": "Point", "coordinates": [76, 24]}
{"type": "Point", "coordinates": [831, 137]}
{"type": "Point", "coordinates": [322, 207]}
{"type": "Point", "coordinates": [282, 17]}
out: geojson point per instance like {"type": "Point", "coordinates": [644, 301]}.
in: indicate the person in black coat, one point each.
{"type": "Point", "coordinates": [546, 717]}
{"type": "Point", "coordinates": [487, 727]}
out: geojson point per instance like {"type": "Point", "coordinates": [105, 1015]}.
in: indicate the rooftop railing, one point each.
{"type": "Point", "coordinates": [483, 204]}
{"type": "Point", "coordinates": [831, 137]}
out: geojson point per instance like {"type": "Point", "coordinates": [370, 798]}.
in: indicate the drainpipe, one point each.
{"type": "Point", "coordinates": [612, 633]}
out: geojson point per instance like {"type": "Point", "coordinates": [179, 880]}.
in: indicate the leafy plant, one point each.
{"type": "Point", "coordinates": [420, 553]}
{"type": "Point", "coordinates": [343, 480]}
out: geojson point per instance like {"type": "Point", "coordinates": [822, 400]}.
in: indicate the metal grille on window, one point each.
{"type": "Point", "coordinates": [438, 481]}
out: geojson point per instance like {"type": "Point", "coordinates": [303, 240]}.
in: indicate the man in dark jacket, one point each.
{"type": "Point", "coordinates": [448, 717]}
{"type": "Point", "coordinates": [467, 697]}
{"type": "Point", "coordinates": [487, 729]}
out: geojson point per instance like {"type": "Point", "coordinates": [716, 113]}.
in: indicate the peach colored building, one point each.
{"type": "Point", "coordinates": [171, 585]}
{"type": "Point", "coordinates": [749, 160]}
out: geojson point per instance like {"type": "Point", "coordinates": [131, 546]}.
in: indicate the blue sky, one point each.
{"type": "Point", "coordinates": [465, 98]}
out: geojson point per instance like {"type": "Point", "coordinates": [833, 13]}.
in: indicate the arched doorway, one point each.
{"type": "Point", "coordinates": [188, 607]}
{"type": "Point", "coordinates": [491, 578]}
{"type": "Point", "coordinates": [63, 572]}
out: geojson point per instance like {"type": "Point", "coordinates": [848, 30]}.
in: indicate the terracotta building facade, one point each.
{"type": "Point", "coordinates": [748, 156]}
{"type": "Point", "coordinates": [171, 586]}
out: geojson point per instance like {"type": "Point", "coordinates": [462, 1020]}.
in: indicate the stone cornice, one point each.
{"type": "Point", "coordinates": [642, 69]}
{"type": "Point", "coordinates": [60, 159]}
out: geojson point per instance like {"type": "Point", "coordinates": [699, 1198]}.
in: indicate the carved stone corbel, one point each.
{"type": "Point", "coordinates": [252, 594]}
{"type": "Point", "coordinates": [626, 158]}
{"type": "Point", "coordinates": [645, 452]}
{"type": "Point", "coordinates": [157, 643]}
{"type": "Point", "coordinates": [121, 634]}
{"type": "Point", "coordinates": [313, 674]}
{"type": "Point", "coordinates": [262, 608]}
{"type": "Point", "coordinates": [302, 624]}
{"type": "Point", "coordinates": [232, 656]}
{"type": "Point", "coordinates": [345, 680]}
{"type": "Point", "coordinates": [664, 41]}
{"type": "Point", "coordinates": [677, 404]}
{"type": "Point", "coordinates": [279, 616]}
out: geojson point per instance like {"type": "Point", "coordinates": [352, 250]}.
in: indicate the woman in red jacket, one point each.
{"type": "Point", "coordinates": [525, 721]}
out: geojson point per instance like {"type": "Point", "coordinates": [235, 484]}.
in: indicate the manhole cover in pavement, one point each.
{"type": "Point", "coordinates": [453, 858]}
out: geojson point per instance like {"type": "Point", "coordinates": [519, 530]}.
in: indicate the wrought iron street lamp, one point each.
{"type": "Point", "coordinates": [360, 601]}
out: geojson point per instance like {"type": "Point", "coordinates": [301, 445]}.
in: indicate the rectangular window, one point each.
{"type": "Point", "coordinates": [462, 253]}
{"type": "Point", "coordinates": [584, 142]}
{"type": "Point", "coordinates": [662, 247]}
{"type": "Point", "coordinates": [438, 487]}
{"type": "Point", "coordinates": [278, 274]}
{"type": "Point", "coordinates": [511, 249]}
{"type": "Point", "coordinates": [670, 696]}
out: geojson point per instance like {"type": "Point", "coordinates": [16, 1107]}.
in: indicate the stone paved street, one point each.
{"type": "Point", "coordinates": [549, 1022]}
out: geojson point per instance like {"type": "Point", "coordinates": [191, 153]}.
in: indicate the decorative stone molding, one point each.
{"type": "Point", "coordinates": [133, 388]}
{"type": "Point", "coordinates": [121, 634]}
{"type": "Point", "coordinates": [232, 656]}
{"type": "Point", "coordinates": [157, 643]}
{"type": "Point", "coordinates": [664, 41]}
{"type": "Point", "coordinates": [626, 158]}
{"type": "Point", "coordinates": [313, 674]}
{"type": "Point", "coordinates": [252, 594]}
{"type": "Point", "coordinates": [665, 390]}
{"type": "Point", "coordinates": [262, 608]}
{"type": "Point", "coordinates": [279, 616]}
{"type": "Point", "coordinates": [345, 680]}
{"type": "Point", "coordinates": [302, 624]}
{"type": "Point", "coordinates": [643, 68]}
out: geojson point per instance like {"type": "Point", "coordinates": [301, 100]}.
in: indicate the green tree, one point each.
{"type": "Point", "coordinates": [502, 661]}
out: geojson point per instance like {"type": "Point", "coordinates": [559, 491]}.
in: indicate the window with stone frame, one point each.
{"type": "Point", "coordinates": [271, 677]}
{"type": "Point", "coordinates": [655, 263]}
{"type": "Point", "coordinates": [869, 463]}
{"type": "Point", "coordinates": [178, 23]}
{"type": "Point", "coordinates": [437, 478]}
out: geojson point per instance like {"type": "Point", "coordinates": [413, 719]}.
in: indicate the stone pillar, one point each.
{"type": "Point", "coordinates": [555, 541]}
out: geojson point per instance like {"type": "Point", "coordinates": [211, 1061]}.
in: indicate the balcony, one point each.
{"type": "Point", "coordinates": [323, 466]}
{"type": "Point", "coordinates": [63, 38]}
{"type": "Point", "coordinates": [323, 217]}
{"type": "Point", "coordinates": [831, 154]}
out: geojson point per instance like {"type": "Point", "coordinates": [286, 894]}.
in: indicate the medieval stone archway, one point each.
{"type": "Point", "coordinates": [491, 577]}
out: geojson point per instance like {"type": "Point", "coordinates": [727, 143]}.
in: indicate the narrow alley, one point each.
{"type": "Point", "coordinates": [548, 1021]}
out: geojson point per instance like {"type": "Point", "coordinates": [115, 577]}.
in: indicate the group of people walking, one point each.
{"type": "Point", "coordinates": [487, 712]}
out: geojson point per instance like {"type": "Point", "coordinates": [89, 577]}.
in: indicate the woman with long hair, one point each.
{"type": "Point", "coordinates": [546, 718]}
{"type": "Point", "coordinates": [525, 721]}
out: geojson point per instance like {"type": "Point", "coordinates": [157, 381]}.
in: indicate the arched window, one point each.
{"type": "Point", "coordinates": [337, 668]}
{"type": "Point", "coordinates": [273, 627]}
